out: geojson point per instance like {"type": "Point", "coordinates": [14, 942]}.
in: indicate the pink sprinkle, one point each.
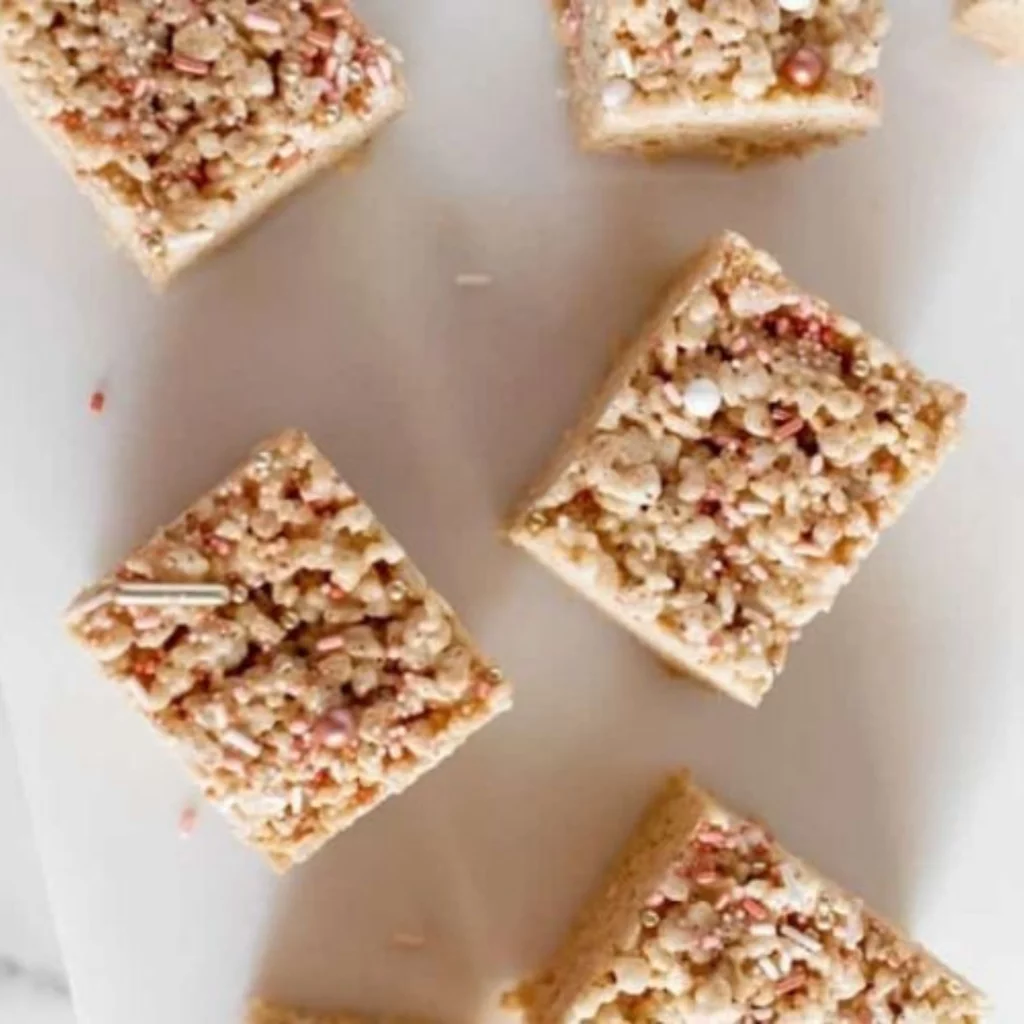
{"type": "Point", "coordinates": [789, 429]}
{"type": "Point", "coordinates": [711, 837]}
{"type": "Point", "coordinates": [189, 65]}
{"type": "Point", "coordinates": [755, 909]}
{"type": "Point", "coordinates": [321, 40]}
{"type": "Point", "coordinates": [334, 10]}
{"type": "Point", "coordinates": [335, 642]}
{"type": "Point", "coordinates": [187, 822]}
{"type": "Point", "coordinates": [335, 729]}
{"type": "Point", "coordinates": [97, 400]}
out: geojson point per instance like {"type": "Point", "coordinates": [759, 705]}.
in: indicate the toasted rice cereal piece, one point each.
{"type": "Point", "coordinates": [183, 123]}
{"type": "Point", "coordinates": [732, 79]}
{"type": "Point", "coordinates": [997, 24]}
{"type": "Point", "coordinates": [705, 918]}
{"type": "Point", "coordinates": [740, 461]}
{"type": "Point", "coordinates": [333, 678]}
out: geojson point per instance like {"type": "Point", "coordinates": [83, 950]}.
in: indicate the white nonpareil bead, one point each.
{"type": "Point", "coordinates": [702, 398]}
{"type": "Point", "coordinates": [616, 93]}
{"type": "Point", "coordinates": [796, 6]}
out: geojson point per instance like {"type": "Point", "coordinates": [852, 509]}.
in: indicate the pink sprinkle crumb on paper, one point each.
{"type": "Point", "coordinates": [97, 400]}
{"type": "Point", "coordinates": [408, 940]}
{"type": "Point", "coordinates": [187, 822]}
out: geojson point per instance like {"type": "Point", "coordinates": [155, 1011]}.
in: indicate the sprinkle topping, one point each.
{"type": "Point", "coordinates": [616, 93]}
{"type": "Point", "coordinates": [702, 398]}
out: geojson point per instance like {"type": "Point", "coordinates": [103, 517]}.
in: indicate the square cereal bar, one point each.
{"type": "Point", "coordinates": [183, 121]}
{"type": "Point", "coordinates": [739, 462]}
{"type": "Point", "coordinates": [996, 24]}
{"type": "Point", "coordinates": [736, 79]}
{"type": "Point", "coordinates": [705, 918]}
{"type": "Point", "coordinates": [281, 640]}
{"type": "Point", "coordinates": [266, 1013]}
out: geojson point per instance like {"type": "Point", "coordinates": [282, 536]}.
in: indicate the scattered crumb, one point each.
{"type": "Point", "coordinates": [473, 280]}
{"type": "Point", "coordinates": [97, 400]}
{"type": "Point", "coordinates": [187, 822]}
{"type": "Point", "coordinates": [408, 940]}
{"type": "Point", "coordinates": [562, 93]}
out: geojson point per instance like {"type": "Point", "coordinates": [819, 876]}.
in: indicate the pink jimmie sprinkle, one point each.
{"type": "Point", "coordinates": [187, 822]}
{"type": "Point", "coordinates": [331, 642]}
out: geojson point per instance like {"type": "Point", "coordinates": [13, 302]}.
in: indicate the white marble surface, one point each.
{"type": "Point", "coordinates": [33, 988]}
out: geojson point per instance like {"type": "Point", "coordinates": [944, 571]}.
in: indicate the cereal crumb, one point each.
{"type": "Point", "coordinates": [187, 822]}
{"type": "Point", "coordinates": [473, 280]}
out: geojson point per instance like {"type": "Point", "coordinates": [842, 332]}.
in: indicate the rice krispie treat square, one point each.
{"type": "Point", "coordinates": [183, 120]}
{"type": "Point", "coordinates": [996, 24]}
{"type": "Point", "coordinates": [266, 1013]}
{"type": "Point", "coordinates": [737, 79]}
{"type": "Point", "coordinates": [739, 462]}
{"type": "Point", "coordinates": [705, 918]}
{"type": "Point", "coordinates": [281, 640]}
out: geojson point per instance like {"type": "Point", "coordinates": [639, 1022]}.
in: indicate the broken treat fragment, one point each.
{"type": "Point", "coordinates": [705, 918]}
{"type": "Point", "coordinates": [281, 640]}
{"type": "Point", "coordinates": [742, 458]}
{"type": "Point", "coordinates": [737, 80]}
{"type": "Point", "coordinates": [997, 24]}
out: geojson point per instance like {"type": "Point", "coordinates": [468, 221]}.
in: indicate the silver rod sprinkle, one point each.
{"type": "Point", "coordinates": [146, 594]}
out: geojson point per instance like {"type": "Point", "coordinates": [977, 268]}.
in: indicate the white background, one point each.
{"type": "Point", "coordinates": [32, 986]}
{"type": "Point", "coordinates": [890, 751]}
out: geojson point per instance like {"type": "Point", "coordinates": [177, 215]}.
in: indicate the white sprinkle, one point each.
{"type": "Point", "coordinates": [796, 6]}
{"type": "Point", "coordinates": [408, 940]}
{"type": "Point", "coordinates": [625, 61]}
{"type": "Point", "coordinates": [257, 21]}
{"type": "Point", "coordinates": [616, 93]}
{"type": "Point", "coordinates": [702, 398]}
{"type": "Point", "coordinates": [802, 939]}
{"type": "Point", "coordinates": [768, 969]}
{"type": "Point", "coordinates": [473, 280]}
{"type": "Point", "coordinates": [185, 241]}
{"type": "Point", "coordinates": [762, 929]}
{"type": "Point", "coordinates": [296, 800]}
{"type": "Point", "coordinates": [242, 743]}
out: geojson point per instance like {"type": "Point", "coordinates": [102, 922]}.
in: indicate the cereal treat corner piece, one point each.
{"type": "Point", "coordinates": [996, 24]}
{"type": "Point", "coordinates": [740, 460]}
{"type": "Point", "coordinates": [281, 640]}
{"type": "Point", "coordinates": [734, 79]}
{"type": "Point", "coordinates": [705, 919]}
{"type": "Point", "coordinates": [183, 121]}
{"type": "Point", "coordinates": [261, 1012]}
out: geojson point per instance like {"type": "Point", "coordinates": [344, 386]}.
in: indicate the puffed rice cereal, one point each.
{"type": "Point", "coordinates": [183, 121]}
{"type": "Point", "coordinates": [329, 679]}
{"type": "Point", "coordinates": [741, 460]}
{"type": "Point", "coordinates": [738, 79]}
{"type": "Point", "coordinates": [705, 919]}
